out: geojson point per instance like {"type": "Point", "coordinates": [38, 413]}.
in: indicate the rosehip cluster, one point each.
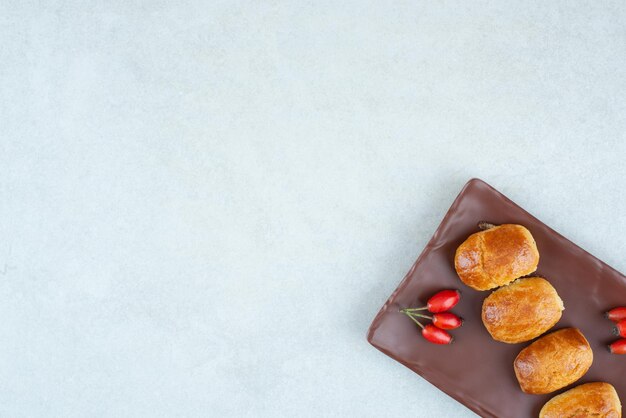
{"type": "Point", "coordinates": [438, 305]}
{"type": "Point", "coordinates": [618, 315]}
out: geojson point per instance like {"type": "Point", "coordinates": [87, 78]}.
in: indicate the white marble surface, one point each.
{"type": "Point", "coordinates": [203, 204]}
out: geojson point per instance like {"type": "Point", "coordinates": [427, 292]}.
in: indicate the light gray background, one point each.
{"type": "Point", "coordinates": [204, 204]}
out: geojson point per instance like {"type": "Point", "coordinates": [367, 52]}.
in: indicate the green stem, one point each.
{"type": "Point", "coordinates": [413, 319]}
{"type": "Point", "coordinates": [420, 315]}
{"type": "Point", "coordinates": [416, 309]}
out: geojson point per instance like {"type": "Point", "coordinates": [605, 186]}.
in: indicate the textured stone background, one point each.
{"type": "Point", "coordinates": [204, 203]}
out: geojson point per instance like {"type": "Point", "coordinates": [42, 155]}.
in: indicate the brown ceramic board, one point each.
{"type": "Point", "coordinates": [476, 370]}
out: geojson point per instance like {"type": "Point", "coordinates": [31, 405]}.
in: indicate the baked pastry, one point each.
{"type": "Point", "coordinates": [589, 400]}
{"type": "Point", "coordinates": [522, 310]}
{"type": "Point", "coordinates": [497, 256]}
{"type": "Point", "coordinates": [553, 361]}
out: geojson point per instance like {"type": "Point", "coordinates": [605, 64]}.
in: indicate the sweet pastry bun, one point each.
{"type": "Point", "coordinates": [553, 361]}
{"type": "Point", "coordinates": [589, 400]}
{"type": "Point", "coordinates": [497, 256]}
{"type": "Point", "coordinates": [522, 310]}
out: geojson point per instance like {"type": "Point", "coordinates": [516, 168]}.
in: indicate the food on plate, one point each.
{"type": "Point", "coordinates": [617, 314]}
{"type": "Point", "coordinates": [620, 328]}
{"type": "Point", "coordinates": [553, 361]}
{"type": "Point", "coordinates": [496, 256]}
{"type": "Point", "coordinates": [436, 335]}
{"type": "Point", "coordinates": [438, 304]}
{"type": "Point", "coordinates": [443, 320]}
{"type": "Point", "coordinates": [442, 301]}
{"type": "Point", "coordinates": [430, 332]}
{"type": "Point", "coordinates": [596, 399]}
{"type": "Point", "coordinates": [522, 310]}
{"type": "Point", "coordinates": [618, 347]}
{"type": "Point", "coordinates": [446, 320]}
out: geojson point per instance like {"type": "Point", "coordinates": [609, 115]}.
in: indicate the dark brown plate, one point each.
{"type": "Point", "coordinates": [476, 370]}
